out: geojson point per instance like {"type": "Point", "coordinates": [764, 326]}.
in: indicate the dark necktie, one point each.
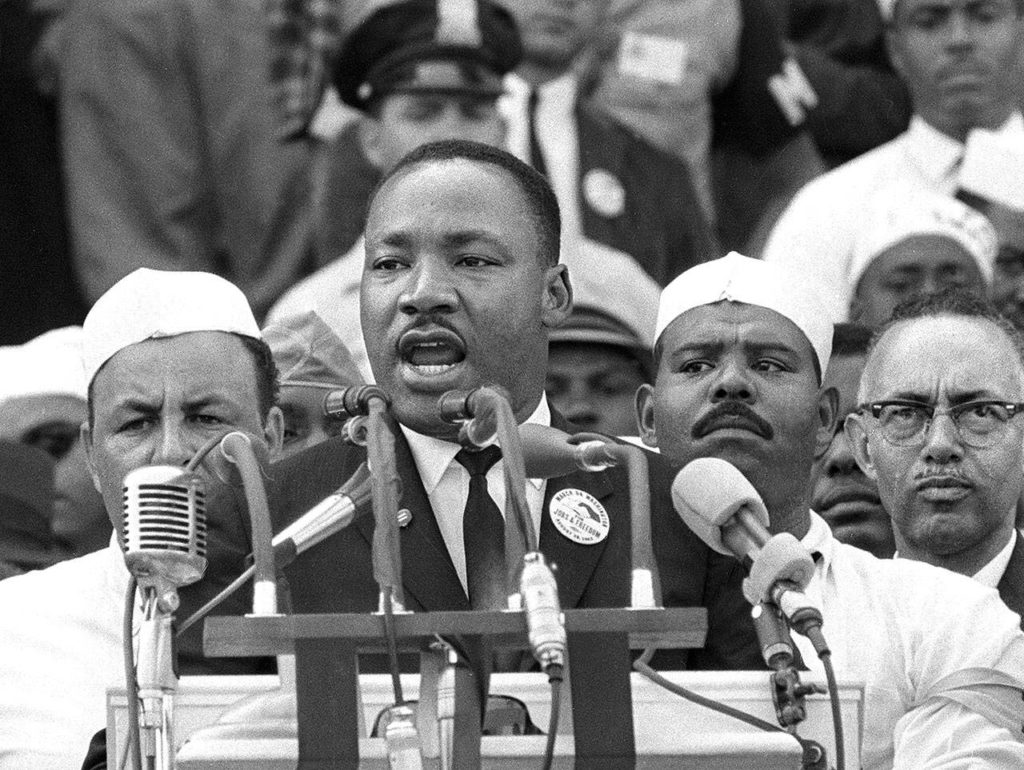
{"type": "Point", "coordinates": [483, 533]}
{"type": "Point", "coordinates": [536, 155]}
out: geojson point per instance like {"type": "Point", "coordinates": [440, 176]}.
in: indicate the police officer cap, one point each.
{"type": "Point", "coordinates": [437, 46]}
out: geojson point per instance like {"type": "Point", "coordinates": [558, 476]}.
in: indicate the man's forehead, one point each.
{"type": "Point", "coordinates": [966, 353]}
{"type": "Point", "coordinates": [736, 321]}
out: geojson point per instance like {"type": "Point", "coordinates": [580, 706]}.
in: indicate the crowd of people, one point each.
{"type": "Point", "coordinates": [237, 207]}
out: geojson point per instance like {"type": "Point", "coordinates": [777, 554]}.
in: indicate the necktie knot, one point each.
{"type": "Point", "coordinates": [478, 461]}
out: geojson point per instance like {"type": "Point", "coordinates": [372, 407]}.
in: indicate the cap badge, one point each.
{"type": "Point", "coordinates": [604, 193]}
{"type": "Point", "coordinates": [579, 516]}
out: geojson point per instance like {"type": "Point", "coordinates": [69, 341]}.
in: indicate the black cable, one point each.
{"type": "Point", "coordinates": [133, 741]}
{"type": "Point", "coordinates": [640, 666]}
{"type": "Point", "coordinates": [392, 645]}
{"type": "Point", "coordinates": [554, 673]}
{"type": "Point", "coordinates": [837, 717]}
{"type": "Point", "coordinates": [203, 611]}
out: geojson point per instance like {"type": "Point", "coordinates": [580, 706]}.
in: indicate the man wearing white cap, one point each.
{"type": "Point", "coordinates": [43, 404]}
{"type": "Point", "coordinates": [172, 361]}
{"type": "Point", "coordinates": [917, 245]}
{"type": "Point", "coordinates": [960, 60]}
{"type": "Point", "coordinates": [950, 486]}
{"type": "Point", "coordinates": [740, 349]}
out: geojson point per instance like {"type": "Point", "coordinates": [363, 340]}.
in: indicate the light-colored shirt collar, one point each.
{"type": "Point", "coordinates": [992, 573]}
{"type": "Point", "coordinates": [433, 455]}
{"type": "Point", "coordinates": [937, 154]}
{"type": "Point", "coordinates": [561, 90]}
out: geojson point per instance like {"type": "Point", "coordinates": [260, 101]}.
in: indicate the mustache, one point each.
{"type": "Point", "coordinates": [719, 414]}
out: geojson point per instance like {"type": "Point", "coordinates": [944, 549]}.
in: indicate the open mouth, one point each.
{"type": "Point", "coordinates": [431, 352]}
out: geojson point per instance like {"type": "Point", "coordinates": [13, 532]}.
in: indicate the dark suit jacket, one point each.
{"type": "Point", "coordinates": [336, 575]}
{"type": "Point", "coordinates": [1011, 585]}
{"type": "Point", "coordinates": [662, 225]}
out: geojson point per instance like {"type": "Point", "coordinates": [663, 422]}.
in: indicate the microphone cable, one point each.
{"type": "Point", "coordinates": [825, 656]}
{"type": "Point", "coordinates": [642, 666]}
{"type": "Point", "coordinates": [555, 677]}
{"type": "Point", "coordinates": [133, 741]}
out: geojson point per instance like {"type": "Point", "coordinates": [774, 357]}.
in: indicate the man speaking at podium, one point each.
{"type": "Point", "coordinates": [741, 346]}
{"type": "Point", "coordinates": [461, 284]}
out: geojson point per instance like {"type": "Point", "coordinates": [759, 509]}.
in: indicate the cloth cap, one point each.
{"type": "Point", "coordinates": [741, 279]}
{"type": "Point", "coordinates": [438, 46]}
{"type": "Point", "coordinates": [48, 365]}
{"type": "Point", "coordinates": [152, 304]}
{"type": "Point", "coordinates": [897, 215]}
{"type": "Point", "coordinates": [614, 301]}
{"type": "Point", "coordinates": [309, 354]}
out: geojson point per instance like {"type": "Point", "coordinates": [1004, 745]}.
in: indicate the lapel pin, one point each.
{"type": "Point", "coordinates": [404, 517]}
{"type": "Point", "coordinates": [579, 516]}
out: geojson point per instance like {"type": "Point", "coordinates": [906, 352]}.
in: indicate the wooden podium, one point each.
{"type": "Point", "coordinates": [325, 648]}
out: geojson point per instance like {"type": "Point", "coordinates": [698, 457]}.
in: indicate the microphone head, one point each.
{"type": "Point", "coordinates": [707, 492]}
{"type": "Point", "coordinates": [164, 526]}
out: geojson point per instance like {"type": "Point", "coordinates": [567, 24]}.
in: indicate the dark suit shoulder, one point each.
{"type": "Point", "coordinates": [298, 482]}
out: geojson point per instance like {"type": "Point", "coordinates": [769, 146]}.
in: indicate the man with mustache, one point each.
{"type": "Point", "coordinates": [961, 62]}
{"type": "Point", "coordinates": [461, 286]}
{"type": "Point", "coordinates": [938, 428]}
{"type": "Point", "coordinates": [740, 347]}
{"type": "Point", "coordinates": [846, 498]}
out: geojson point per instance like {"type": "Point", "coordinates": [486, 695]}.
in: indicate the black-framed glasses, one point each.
{"type": "Point", "coordinates": [980, 424]}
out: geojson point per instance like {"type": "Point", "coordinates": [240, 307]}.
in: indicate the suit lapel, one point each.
{"type": "Point", "coordinates": [1011, 586]}
{"type": "Point", "coordinates": [428, 575]}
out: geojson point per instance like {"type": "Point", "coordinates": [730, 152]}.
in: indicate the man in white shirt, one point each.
{"type": "Point", "coordinates": [950, 485]}
{"type": "Point", "coordinates": [960, 62]}
{"type": "Point", "coordinates": [173, 360]}
{"type": "Point", "coordinates": [741, 346]}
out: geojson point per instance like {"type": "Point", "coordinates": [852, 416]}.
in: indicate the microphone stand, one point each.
{"type": "Point", "coordinates": [156, 678]}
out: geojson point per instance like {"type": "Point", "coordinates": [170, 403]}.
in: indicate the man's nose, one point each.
{"type": "Point", "coordinates": [430, 289]}
{"type": "Point", "coordinates": [733, 383]}
{"type": "Point", "coordinates": [172, 447]}
{"type": "Point", "coordinates": [942, 440]}
{"type": "Point", "coordinates": [839, 460]}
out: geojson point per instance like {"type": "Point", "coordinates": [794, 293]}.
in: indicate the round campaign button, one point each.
{"type": "Point", "coordinates": [579, 516]}
{"type": "Point", "coordinates": [604, 193]}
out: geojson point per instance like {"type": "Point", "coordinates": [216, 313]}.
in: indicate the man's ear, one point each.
{"type": "Point", "coordinates": [557, 301]}
{"type": "Point", "coordinates": [645, 415]}
{"type": "Point", "coordinates": [369, 132]}
{"type": "Point", "coordinates": [85, 436]}
{"type": "Point", "coordinates": [860, 444]}
{"type": "Point", "coordinates": [828, 416]}
{"type": "Point", "coordinates": [273, 431]}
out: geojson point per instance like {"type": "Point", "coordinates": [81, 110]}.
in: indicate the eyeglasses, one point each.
{"type": "Point", "coordinates": [980, 424]}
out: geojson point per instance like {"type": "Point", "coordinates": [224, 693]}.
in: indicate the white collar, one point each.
{"type": "Point", "coordinates": [992, 573]}
{"type": "Point", "coordinates": [936, 154]}
{"type": "Point", "coordinates": [433, 455]}
{"type": "Point", "coordinates": [560, 90]}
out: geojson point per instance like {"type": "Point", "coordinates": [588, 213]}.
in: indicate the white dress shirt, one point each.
{"type": "Point", "coordinates": [817, 232]}
{"type": "Point", "coordinates": [941, 656]}
{"type": "Point", "coordinates": [557, 135]}
{"type": "Point", "coordinates": [447, 485]}
{"type": "Point", "coordinates": [60, 649]}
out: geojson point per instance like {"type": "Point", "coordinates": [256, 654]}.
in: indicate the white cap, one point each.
{"type": "Point", "coordinates": [736, 278]}
{"type": "Point", "coordinates": [150, 304]}
{"type": "Point", "coordinates": [49, 365]}
{"type": "Point", "coordinates": [612, 282]}
{"type": "Point", "coordinates": [897, 215]}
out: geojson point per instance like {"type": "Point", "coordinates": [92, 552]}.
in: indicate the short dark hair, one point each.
{"type": "Point", "coordinates": [954, 301]}
{"type": "Point", "coordinates": [535, 188]}
{"type": "Point", "coordinates": [850, 339]}
{"type": "Point", "coordinates": [264, 368]}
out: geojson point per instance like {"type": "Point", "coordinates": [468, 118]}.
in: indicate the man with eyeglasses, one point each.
{"type": "Point", "coordinates": [939, 430]}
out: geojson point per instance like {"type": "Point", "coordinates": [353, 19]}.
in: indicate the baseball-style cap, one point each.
{"type": "Point", "coordinates": [309, 354]}
{"type": "Point", "coordinates": [438, 46]}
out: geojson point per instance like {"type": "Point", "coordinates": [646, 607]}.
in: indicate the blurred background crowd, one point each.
{"type": "Point", "coordinates": [877, 145]}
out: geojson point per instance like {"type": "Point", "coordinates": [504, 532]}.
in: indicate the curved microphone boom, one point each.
{"type": "Point", "coordinates": [548, 453]}
{"type": "Point", "coordinates": [722, 507]}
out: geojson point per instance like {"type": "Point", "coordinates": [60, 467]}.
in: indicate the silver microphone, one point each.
{"type": "Point", "coordinates": [546, 628]}
{"type": "Point", "coordinates": [164, 526]}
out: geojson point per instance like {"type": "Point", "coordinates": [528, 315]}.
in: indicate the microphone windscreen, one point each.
{"type": "Point", "coordinates": [707, 492]}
